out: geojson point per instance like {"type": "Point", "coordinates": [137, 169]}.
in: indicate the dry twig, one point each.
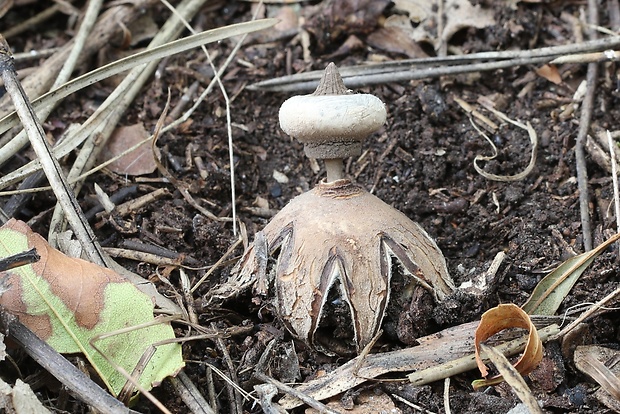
{"type": "Point", "coordinates": [234, 397]}
{"type": "Point", "coordinates": [429, 68]}
{"type": "Point", "coordinates": [74, 379]}
{"type": "Point", "coordinates": [295, 393]}
{"type": "Point", "coordinates": [190, 395]}
{"type": "Point", "coordinates": [614, 177]}
{"type": "Point", "coordinates": [50, 164]}
{"type": "Point", "coordinates": [584, 126]}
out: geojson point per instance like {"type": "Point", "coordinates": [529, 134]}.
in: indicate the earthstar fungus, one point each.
{"type": "Point", "coordinates": [328, 258]}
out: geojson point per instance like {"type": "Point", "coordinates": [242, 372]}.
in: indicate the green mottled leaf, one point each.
{"type": "Point", "coordinates": [553, 288]}
{"type": "Point", "coordinates": [68, 301]}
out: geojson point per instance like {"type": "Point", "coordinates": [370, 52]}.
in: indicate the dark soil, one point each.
{"type": "Point", "coordinates": [421, 163]}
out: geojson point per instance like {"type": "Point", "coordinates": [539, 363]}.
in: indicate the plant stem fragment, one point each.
{"type": "Point", "coordinates": [62, 190]}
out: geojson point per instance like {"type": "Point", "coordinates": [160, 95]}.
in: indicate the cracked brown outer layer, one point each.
{"type": "Point", "coordinates": [338, 233]}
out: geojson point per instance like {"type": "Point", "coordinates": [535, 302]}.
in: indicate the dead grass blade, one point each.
{"type": "Point", "coordinates": [553, 288]}
{"type": "Point", "coordinates": [132, 61]}
{"type": "Point", "coordinates": [512, 377]}
{"type": "Point", "coordinates": [65, 196]}
{"type": "Point", "coordinates": [600, 363]}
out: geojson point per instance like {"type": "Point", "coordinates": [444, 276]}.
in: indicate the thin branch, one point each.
{"type": "Point", "coordinates": [190, 395]}
{"type": "Point", "coordinates": [295, 393]}
{"type": "Point", "coordinates": [614, 178]}
{"type": "Point", "coordinates": [74, 379]}
{"type": "Point", "coordinates": [50, 165]}
{"type": "Point", "coordinates": [584, 126]}
{"type": "Point", "coordinates": [427, 68]}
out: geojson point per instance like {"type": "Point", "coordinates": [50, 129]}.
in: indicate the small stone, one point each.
{"type": "Point", "coordinates": [275, 190]}
{"type": "Point", "coordinates": [280, 177]}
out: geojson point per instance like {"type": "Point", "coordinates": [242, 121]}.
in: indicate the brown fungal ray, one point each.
{"type": "Point", "coordinates": [339, 236]}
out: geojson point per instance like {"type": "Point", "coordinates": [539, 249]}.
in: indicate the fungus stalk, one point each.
{"type": "Point", "coordinates": [334, 168]}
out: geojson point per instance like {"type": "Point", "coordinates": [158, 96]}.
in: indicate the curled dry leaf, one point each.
{"type": "Point", "coordinates": [67, 302]}
{"type": "Point", "coordinates": [496, 320]}
{"type": "Point", "coordinates": [396, 36]}
{"type": "Point", "coordinates": [512, 377]}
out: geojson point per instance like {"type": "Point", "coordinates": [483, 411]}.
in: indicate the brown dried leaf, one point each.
{"type": "Point", "coordinates": [459, 14]}
{"type": "Point", "coordinates": [68, 302]}
{"type": "Point", "coordinates": [335, 19]}
{"type": "Point", "coordinates": [288, 19]}
{"type": "Point", "coordinates": [551, 73]}
{"type": "Point", "coordinates": [350, 45]}
{"type": "Point", "coordinates": [397, 37]}
{"type": "Point", "coordinates": [496, 320]}
{"type": "Point", "coordinates": [138, 162]}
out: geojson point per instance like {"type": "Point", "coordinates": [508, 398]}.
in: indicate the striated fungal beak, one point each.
{"type": "Point", "coordinates": [336, 248]}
